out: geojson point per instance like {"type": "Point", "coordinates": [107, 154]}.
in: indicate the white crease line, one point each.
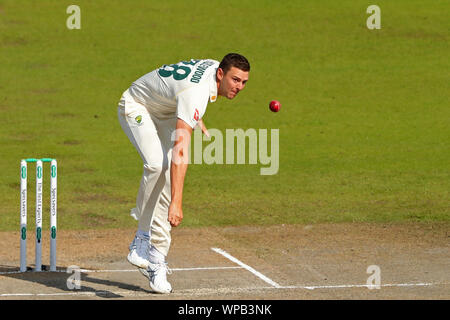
{"type": "Point", "coordinates": [237, 289]}
{"type": "Point", "coordinates": [343, 286]}
{"type": "Point", "coordinates": [87, 293]}
{"type": "Point", "coordinates": [203, 291]}
{"type": "Point", "coordinates": [248, 268]}
{"type": "Point", "coordinates": [206, 268]}
{"type": "Point", "coordinates": [173, 269]}
{"type": "Point", "coordinates": [119, 270]}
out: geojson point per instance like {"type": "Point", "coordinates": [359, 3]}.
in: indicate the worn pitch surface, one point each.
{"type": "Point", "coordinates": [325, 261]}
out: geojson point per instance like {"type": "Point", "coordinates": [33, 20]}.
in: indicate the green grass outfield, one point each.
{"type": "Point", "coordinates": [364, 125]}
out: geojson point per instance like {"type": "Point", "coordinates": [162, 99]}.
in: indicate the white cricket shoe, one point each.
{"type": "Point", "coordinates": [157, 275]}
{"type": "Point", "coordinates": [139, 252]}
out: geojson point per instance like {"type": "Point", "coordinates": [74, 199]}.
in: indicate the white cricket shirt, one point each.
{"type": "Point", "coordinates": [180, 90]}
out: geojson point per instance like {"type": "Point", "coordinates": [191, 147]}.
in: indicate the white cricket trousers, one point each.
{"type": "Point", "coordinates": [152, 138]}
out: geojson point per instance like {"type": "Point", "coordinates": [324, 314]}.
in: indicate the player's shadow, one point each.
{"type": "Point", "coordinates": [67, 281]}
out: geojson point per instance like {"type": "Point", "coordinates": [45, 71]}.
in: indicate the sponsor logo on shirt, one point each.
{"type": "Point", "coordinates": [196, 115]}
{"type": "Point", "coordinates": [138, 119]}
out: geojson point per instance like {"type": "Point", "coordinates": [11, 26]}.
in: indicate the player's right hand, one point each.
{"type": "Point", "coordinates": [175, 215]}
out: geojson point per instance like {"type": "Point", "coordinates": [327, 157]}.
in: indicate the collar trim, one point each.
{"type": "Point", "coordinates": [213, 87]}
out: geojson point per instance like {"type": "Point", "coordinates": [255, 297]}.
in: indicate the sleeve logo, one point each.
{"type": "Point", "coordinates": [196, 115]}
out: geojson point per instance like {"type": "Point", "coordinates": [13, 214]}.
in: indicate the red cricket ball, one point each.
{"type": "Point", "coordinates": [275, 105]}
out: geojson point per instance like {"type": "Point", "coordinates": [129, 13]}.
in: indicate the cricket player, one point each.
{"type": "Point", "coordinates": [158, 113]}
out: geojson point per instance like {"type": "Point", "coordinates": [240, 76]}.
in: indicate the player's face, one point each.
{"type": "Point", "coordinates": [232, 82]}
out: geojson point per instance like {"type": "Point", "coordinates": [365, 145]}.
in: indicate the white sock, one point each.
{"type": "Point", "coordinates": [143, 234]}
{"type": "Point", "coordinates": [156, 256]}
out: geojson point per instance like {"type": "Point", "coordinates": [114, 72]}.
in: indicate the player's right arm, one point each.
{"type": "Point", "coordinates": [178, 168]}
{"type": "Point", "coordinates": [191, 105]}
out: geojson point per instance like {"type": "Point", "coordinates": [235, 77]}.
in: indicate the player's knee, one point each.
{"type": "Point", "coordinates": [150, 169]}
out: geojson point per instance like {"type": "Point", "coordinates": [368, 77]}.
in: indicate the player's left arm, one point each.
{"type": "Point", "coordinates": [178, 168]}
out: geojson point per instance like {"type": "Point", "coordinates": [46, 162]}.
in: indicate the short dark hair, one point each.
{"type": "Point", "coordinates": [234, 60]}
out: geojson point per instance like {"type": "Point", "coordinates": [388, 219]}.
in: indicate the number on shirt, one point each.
{"type": "Point", "coordinates": [178, 72]}
{"type": "Point", "coordinates": [192, 62]}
